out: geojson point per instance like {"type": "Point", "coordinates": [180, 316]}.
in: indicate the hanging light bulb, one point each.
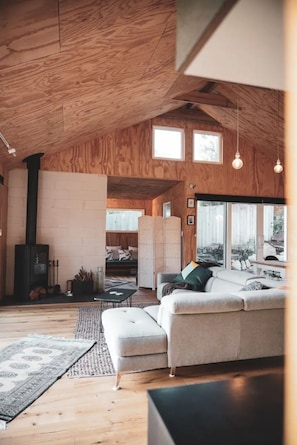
{"type": "Point", "coordinates": [237, 162]}
{"type": "Point", "coordinates": [278, 168]}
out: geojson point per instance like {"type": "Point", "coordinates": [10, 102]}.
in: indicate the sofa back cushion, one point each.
{"type": "Point", "coordinates": [185, 302]}
{"type": "Point", "coordinates": [255, 300]}
{"type": "Point", "coordinates": [218, 285]}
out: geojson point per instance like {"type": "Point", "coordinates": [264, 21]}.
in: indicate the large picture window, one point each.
{"type": "Point", "coordinates": [234, 234]}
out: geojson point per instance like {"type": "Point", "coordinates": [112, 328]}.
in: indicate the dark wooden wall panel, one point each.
{"type": "Point", "coordinates": [124, 239]}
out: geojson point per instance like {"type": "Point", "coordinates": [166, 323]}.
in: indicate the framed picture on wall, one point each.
{"type": "Point", "coordinates": [190, 203]}
{"type": "Point", "coordinates": [191, 220]}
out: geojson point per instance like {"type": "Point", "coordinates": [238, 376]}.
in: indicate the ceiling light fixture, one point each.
{"type": "Point", "coordinates": [278, 168]}
{"type": "Point", "coordinates": [237, 162]}
{"type": "Point", "coordinates": [11, 151]}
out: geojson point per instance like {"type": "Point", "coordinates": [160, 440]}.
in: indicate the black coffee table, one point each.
{"type": "Point", "coordinates": [115, 296]}
{"type": "Point", "coordinates": [236, 411]}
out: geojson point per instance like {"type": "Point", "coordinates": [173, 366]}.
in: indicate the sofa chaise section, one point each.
{"type": "Point", "coordinates": [191, 328]}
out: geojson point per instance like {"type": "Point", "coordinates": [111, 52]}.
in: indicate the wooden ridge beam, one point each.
{"type": "Point", "coordinates": [199, 98]}
{"type": "Point", "coordinates": [190, 114]}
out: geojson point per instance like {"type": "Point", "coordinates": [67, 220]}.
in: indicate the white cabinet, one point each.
{"type": "Point", "coordinates": [159, 248]}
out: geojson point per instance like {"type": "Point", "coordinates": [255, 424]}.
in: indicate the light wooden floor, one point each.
{"type": "Point", "coordinates": [86, 411]}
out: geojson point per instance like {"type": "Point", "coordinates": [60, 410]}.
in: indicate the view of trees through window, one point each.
{"type": "Point", "coordinates": [207, 147]}
{"type": "Point", "coordinates": [232, 233]}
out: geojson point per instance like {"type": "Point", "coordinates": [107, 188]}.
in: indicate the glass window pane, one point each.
{"type": "Point", "coordinates": [122, 220]}
{"type": "Point", "coordinates": [274, 221]}
{"type": "Point", "coordinates": [243, 235]}
{"type": "Point", "coordinates": [207, 147]}
{"type": "Point", "coordinates": [210, 231]}
{"type": "Point", "coordinates": [168, 143]}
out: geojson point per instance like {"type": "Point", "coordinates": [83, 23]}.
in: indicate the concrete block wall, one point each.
{"type": "Point", "coordinates": [71, 218]}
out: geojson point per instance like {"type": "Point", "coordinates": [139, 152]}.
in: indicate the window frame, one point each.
{"type": "Point", "coordinates": [168, 128]}
{"type": "Point", "coordinates": [228, 200]}
{"type": "Point", "coordinates": [213, 133]}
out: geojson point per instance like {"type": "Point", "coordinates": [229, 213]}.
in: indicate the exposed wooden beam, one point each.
{"type": "Point", "coordinates": [199, 98]}
{"type": "Point", "coordinates": [190, 114]}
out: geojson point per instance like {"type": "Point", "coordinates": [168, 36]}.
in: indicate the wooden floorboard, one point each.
{"type": "Point", "coordinates": [86, 411]}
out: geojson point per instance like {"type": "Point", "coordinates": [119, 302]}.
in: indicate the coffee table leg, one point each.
{"type": "Point", "coordinates": [101, 309]}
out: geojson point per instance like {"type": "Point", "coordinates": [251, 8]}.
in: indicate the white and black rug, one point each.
{"type": "Point", "coordinates": [29, 366]}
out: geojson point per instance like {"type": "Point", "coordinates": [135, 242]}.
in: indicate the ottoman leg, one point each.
{"type": "Point", "coordinates": [172, 371]}
{"type": "Point", "coordinates": [116, 386]}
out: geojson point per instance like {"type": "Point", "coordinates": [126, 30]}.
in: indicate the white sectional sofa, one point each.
{"type": "Point", "coordinates": [222, 323]}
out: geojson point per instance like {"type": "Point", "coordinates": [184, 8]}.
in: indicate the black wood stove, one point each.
{"type": "Point", "coordinates": [31, 259]}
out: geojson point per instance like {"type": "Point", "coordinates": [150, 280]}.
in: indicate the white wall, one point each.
{"type": "Point", "coordinates": [71, 219]}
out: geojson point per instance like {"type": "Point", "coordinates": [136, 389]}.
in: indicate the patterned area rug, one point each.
{"type": "Point", "coordinates": [97, 361]}
{"type": "Point", "coordinates": [29, 366]}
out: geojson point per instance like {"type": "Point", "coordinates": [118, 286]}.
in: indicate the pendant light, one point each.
{"type": "Point", "coordinates": [278, 168]}
{"type": "Point", "coordinates": [237, 162]}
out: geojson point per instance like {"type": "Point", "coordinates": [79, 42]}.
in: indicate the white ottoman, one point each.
{"type": "Point", "coordinates": [135, 341]}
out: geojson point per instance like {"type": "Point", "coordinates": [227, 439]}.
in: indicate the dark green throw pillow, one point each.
{"type": "Point", "coordinates": [197, 278]}
{"type": "Point", "coordinates": [179, 278]}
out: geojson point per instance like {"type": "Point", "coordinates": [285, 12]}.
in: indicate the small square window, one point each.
{"type": "Point", "coordinates": [207, 147]}
{"type": "Point", "coordinates": [168, 143]}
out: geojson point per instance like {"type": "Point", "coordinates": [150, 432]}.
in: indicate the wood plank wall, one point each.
{"type": "Point", "coordinates": [124, 239]}
{"type": "Point", "coordinates": [128, 153]}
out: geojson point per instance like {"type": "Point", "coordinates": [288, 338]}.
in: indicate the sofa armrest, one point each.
{"type": "Point", "coordinates": [166, 277]}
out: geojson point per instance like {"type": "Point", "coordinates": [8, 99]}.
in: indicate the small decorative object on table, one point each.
{"type": "Point", "coordinates": [83, 283]}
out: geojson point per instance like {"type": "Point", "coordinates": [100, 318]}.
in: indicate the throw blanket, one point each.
{"type": "Point", "coordinates": [169, 287]}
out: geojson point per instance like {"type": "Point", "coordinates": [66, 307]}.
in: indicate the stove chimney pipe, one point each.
{"type": "Point", "coordinates": [33, 166]}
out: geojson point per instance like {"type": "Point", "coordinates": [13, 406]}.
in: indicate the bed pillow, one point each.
{"type": "Point", "coordinates": [134, 252]}
{"type": "Point", "coordinates": [112, 252]}
{"type": "Point", "coordinates": [124, 255]}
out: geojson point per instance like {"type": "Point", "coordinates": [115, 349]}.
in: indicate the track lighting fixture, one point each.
{"type": "Point", "coordinates": [11, 151]}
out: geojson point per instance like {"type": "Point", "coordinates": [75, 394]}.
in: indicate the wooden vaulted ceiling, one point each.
{"type": "Point", "coordinates": [72, 70]}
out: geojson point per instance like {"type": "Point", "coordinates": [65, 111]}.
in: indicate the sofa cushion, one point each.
{"type": "Point", "coordinates": [132, 331]}
{"type": "Point", "coordinates": [254, 300]}
{"type": "Point", "coordinates": [185, 302]}
{"type": "Point", "coordinates": [236, 276]}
